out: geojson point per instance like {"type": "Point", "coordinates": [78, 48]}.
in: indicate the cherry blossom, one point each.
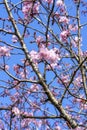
{"type": "Point", "coordinates": [49, 1]}
{"type": "Point", "coordinates": [16, 68]}
{"type": "Point", "coordinates": [39, 39]}
{"type": "Point", "coordinates": [6, 67]}
{"type": "Point", "coordinates": [29, 9]}
{"type": "Point", "coordinates": [59, 3]}
{"type": "Point", "coordinates": [49, 54]}
{"type": "Point", "coordinates": [35, 56]}
{"type": "Point", "coordinates": [64, 35]}
{"type": "Point", "coordinates": [4, 51]}
{"type": "Point", "coordinates": [16, 111]}
{"type": "Point", "coordinates": [34, 88]}
{"type": "Point", "coordinates": [63, 19]}
{"type": "Point", "coordinates": [43, 59]}
{"type": "Point", "coordinates": [57, 128]}
{"type": "Point", "coordinates": [14, 39]}
{"type": "Point", "coordinates": [64, 79]}
{"type": "Point", "coordinates": [73, 27]}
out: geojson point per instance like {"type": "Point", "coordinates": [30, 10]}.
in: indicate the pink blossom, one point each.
{"type": "Point", "coordinates": [50, 55]}
{"type": "Point", "coordinates": [52, 65]}
{"type": "Point", "coordinates": [24, 73]}
{"type": "Point", "coordinates": [16, 68]}
{"type": "Point", "coordinates": [44, 52]}
{"type": "Point", "coordinates": [34, 88]}
{"type": "Point", "coordinates": [14, 39]}
{"type": "Point", "coordinates": [34, 56]}
{"type": "Point", "coordinates": [49, 1]}
{"type": "Point", "coordinates": [57, 128]}
{"type": "Point", "coordinates": [63, 19]}
{"type": "Point", "coordinates": [75, 41]}
{"type": "Point", "coordinates": [39, 39]}
{"type": "Point", "coordinates": [15, 82]}
{"type": "Point", "coordinates": [64, 35]}
{"type": "Point", "coordinates": [16, 111]}
{"type": "Point", "coordinates": [36, 8]}
{"type": "Point", "coordinates": [25, 122]}
{"type": "Point", "coordinates": [29, 9]}
{"type": "Point", "coordinates": [4, 51]}
{"type": "Point", "coordinates": [78, 80]}
{"type": "Point", "coordinates": [73, 27]}
{"type": "Point", "coordinates": [59, 3]}
{"type": "Point", "coordinates": [6, 67]}
{"type": "Point", "coordinates": [53, 56]}
{"type": "Point", "coordinates": [64, 79]}
{"type": "Point", "coordinates": [14, 97]}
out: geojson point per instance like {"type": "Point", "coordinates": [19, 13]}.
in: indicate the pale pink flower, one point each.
{"type": "Point", "coordinates": [43, 52]}
{"type": "Point", "coordinates": [57, 128]}
{"type": "Point", "coordinates": [39, 39]}
{"type": "Point", "coordinates": [52, 65]}
{"type": "Point", "coordinates": [49, 1]}
{"type": "Point", "coordinates": [36, 8]}
{"type": "Point", "coordinates": [16, 111]}
{"type": "Point", "coordinates": [14, 39]}
{"type": "Point", "coordinates": [57, 15]}
{"type": "Point", "coordinates": [75, 41]}
{"type": "Point", "coordinates": [15, 82]}
{"type": "Point", "coordinates": [59, 3]}
{"type": "Point", "coordinates": [73, 28]}
{"type": "Point", "coordinates": [34, 88]}
{"type": "Point", "coordinates": [6, 67]}
{"type": "Point", "coordinates": [34, 56]}
{"type": "Point", "coordinates": [53, 56]}
{"type": "Point", "coordinates": [64, 35]}
{"type": "Point", "coordinates": [29, 9]}
{"type": "Point", "coordinates": [78, 80]}
{"type": "Point", "coordinates": [4, 51]}
{"type": "Point", "coordinates": [16, 68]}
{"type": "Point", "coordinates": [22, 74]}
{"type": "Point", "coordinates": [15, 97]}
{"type": "Point", "coordinates": [63, 19]}
{"type": "Point", "coordinates": [64, 79]}
{"type": "Point", "coordinates": [27, 6]}
{"type": "Point", "coordinates": [49, 55]}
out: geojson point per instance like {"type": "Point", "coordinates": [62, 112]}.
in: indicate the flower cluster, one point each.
{"type": "Point", "coordinates": [50, 55]}
{"type": "Point", "coordinates": [64, 35]}
{"type": "Point", "coordinates": [30, 9]}
{"type": "Point", "coordinates": [63, 19]}
{"type": "Point", "coordinates": [21, 71]}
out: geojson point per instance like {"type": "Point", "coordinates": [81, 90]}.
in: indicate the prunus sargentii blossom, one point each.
{"type": "Point", "coordinates": [43, 65]}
